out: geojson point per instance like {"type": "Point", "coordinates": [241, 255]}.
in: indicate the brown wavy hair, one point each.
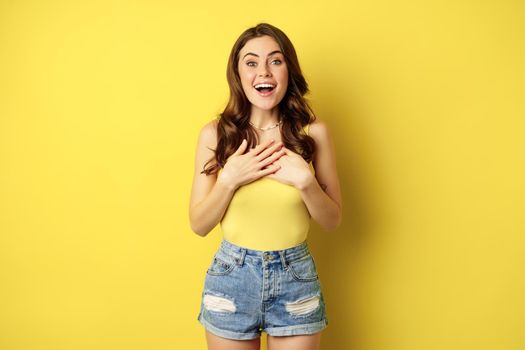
{"type": "Point", "coordinates": [294, 109]}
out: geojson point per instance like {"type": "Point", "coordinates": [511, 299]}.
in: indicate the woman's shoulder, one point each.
{"type": "Point", "coordinates": [318, 129]}
{"type": "Point", "coordinates": [210, 126]}
{"type": "Point", "coordinates": [209, 132]}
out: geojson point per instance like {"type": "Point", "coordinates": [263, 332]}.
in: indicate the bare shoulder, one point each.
{"type": "Point", "coordinates": [206, 144]}
{"type": "Point", "coordinates": [324, 160]}
{"type": "Point", "coordinates": [319, 130]}
{"type": "Point", "coordinates": [208, 133]}
{"type": "Point", "coordinates": [204, 152]}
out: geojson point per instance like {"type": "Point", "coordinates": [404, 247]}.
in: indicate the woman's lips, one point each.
{"type": "Point", "coordinates": [265, 94]}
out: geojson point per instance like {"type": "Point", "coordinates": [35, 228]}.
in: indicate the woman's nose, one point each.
{"type": "Point", "coordinates": [264, 71]}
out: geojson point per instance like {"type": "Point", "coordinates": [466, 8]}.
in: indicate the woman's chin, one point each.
{"type": "Point", "coordinates": [264, 105]}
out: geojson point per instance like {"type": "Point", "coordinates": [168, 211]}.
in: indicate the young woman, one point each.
{"type": "Point", "coordinates": [272, 170]}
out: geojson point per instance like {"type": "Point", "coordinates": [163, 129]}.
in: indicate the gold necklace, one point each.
{"type": "Point", "coordinates": [267, 128]}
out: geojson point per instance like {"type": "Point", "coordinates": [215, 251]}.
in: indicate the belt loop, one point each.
{"type": "Point", "coordinates": [283, 259]}
{"type": "Point", "coordinates": [240, 260]}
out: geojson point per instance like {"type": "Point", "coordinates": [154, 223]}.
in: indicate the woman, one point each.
{"type": "Point", "coordinates": [273, 168]}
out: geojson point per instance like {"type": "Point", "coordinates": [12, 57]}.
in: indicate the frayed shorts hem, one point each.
{"type": "Point", "coordinates": [227, 334]}
{"type": "Point", "coordinates": [301, 329]}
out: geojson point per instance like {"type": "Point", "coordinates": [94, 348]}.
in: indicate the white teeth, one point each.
{"type": "Point", "coordinates": [264, 85]}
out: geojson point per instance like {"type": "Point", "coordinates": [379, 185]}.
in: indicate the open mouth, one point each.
{"type": "Point", "coordinates": [264, 89]}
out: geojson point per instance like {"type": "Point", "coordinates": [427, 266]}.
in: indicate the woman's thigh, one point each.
{"type": "Point", "coordinates": [219, 343]}
{"type": "Point", "coordinates": [295, 342]}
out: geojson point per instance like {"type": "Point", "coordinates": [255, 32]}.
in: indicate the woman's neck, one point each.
{"type": "Point", "coordinates": [264, 118]}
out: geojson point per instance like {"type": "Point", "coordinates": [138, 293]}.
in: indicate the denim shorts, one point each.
{"type": "Point", "coordinates": [249, 291]}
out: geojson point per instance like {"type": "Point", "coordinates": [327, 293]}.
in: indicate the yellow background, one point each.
{"type": "Point", "coordinates": [101, 103]}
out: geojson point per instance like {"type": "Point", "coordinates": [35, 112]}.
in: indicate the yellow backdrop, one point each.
{"type": "Point", "coordinates": [101, 103]}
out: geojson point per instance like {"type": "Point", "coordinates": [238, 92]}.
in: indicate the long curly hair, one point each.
{"type": "Point", "coordinates": [294, 109]}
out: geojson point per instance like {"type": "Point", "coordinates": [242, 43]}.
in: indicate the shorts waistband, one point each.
{"type": "Point", "coordinates": [238, 253]}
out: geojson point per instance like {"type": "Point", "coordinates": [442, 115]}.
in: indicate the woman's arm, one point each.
{"type": "Point", "coordinates": [322, 193]}
{"type": "Point", "coordinates": [209, 198]}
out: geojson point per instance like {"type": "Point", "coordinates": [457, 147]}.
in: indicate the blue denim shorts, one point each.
{"type": "Point", "coordinates": [249, 291]}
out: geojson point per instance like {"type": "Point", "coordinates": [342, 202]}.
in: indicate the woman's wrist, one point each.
{"type": "Point", "coordinates": [226, 185]}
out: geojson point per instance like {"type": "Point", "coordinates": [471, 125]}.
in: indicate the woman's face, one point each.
{"type": "Point", "coordinates": [261, 61]}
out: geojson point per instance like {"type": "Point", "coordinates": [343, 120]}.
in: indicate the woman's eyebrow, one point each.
{"type": "Point", "coordinates": [270, 54]}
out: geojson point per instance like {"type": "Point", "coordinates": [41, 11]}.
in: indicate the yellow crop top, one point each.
{"type": "Point", "coordinates": [266, 214]}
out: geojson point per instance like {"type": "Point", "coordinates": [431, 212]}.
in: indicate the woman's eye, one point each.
{"type": "Point", "coordinates": [251, 63]}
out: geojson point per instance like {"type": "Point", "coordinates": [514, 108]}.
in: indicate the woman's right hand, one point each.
{"type": "Point", "coordinates": [242, 168]}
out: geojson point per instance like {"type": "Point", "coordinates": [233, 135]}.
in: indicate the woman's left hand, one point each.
{"type": "Point", "coordinates": [294, 170]}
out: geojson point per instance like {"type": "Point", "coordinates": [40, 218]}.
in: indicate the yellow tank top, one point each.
{"type": "Point", "coordinates": [266, 214]}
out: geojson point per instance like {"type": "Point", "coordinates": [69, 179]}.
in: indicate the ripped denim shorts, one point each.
{"type": "Point", "coordinates": [249, 291]}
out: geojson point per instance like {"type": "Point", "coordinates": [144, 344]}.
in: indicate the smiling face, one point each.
{"type": "Point", "coordinates": [261, 61]}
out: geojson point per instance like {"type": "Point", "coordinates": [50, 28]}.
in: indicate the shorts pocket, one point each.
{"type": "Point", "coordinates": [219, 267]}
{"type": "Point", "coordinates": [303, 269]}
